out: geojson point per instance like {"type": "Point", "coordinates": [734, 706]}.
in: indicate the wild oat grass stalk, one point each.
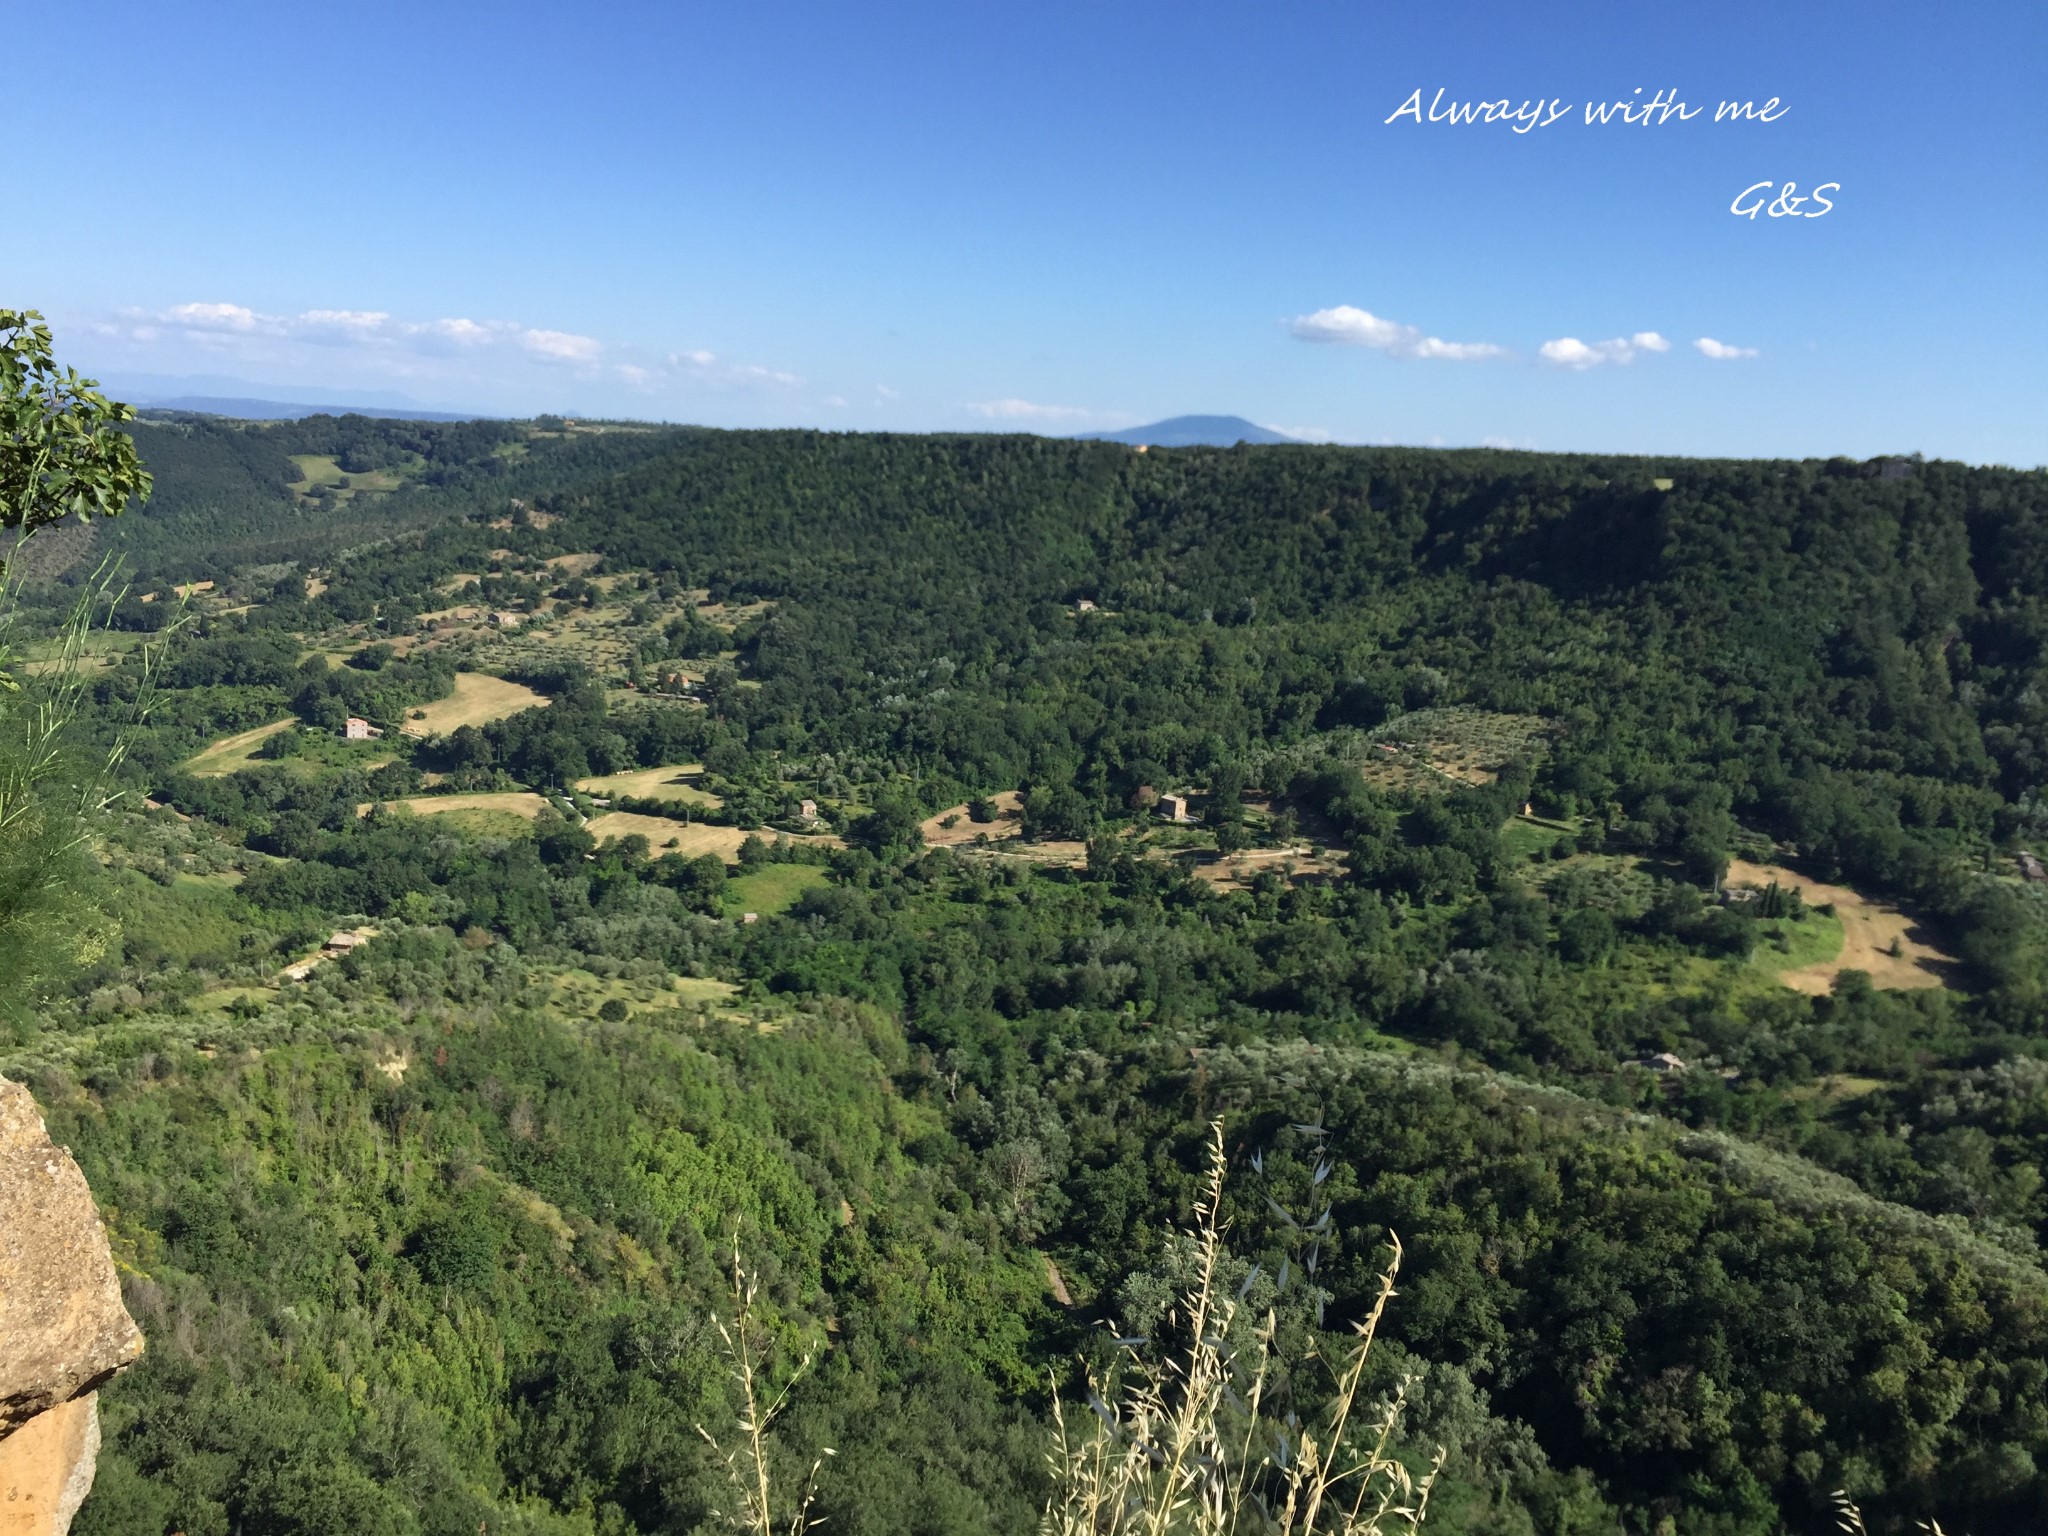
{"type": "Point", "coordinates": [748, 1466]}
{"type": "Point", "coordinates": [50, 795]}
{"type": "Point", "coordinates": [1189, 1446]}
{"type": "Point", "coordinates": [1850, 1518]}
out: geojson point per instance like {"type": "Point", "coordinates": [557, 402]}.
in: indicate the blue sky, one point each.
{"type": "Point", "coordinates": [1059, 217]}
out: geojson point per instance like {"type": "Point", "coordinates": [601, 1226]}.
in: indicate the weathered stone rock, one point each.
{"type": "Point", "coordinates": [63, 1329]}
{"type": "Point", "coordinates": [46, 1468]}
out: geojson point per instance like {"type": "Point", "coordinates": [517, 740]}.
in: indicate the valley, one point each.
{"type": "Point", "coordinates": [890, 853]}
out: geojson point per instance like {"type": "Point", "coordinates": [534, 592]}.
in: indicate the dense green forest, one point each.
{"type": "Point", "coordinates": [893, 852]}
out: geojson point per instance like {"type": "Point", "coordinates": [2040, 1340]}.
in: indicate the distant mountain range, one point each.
{"type": "Point", "coordinates": [284, 410]}
{"type": "Point", "coordinates": [1194, 432]}
{"type": "Point", "coordinates": [221, 395]}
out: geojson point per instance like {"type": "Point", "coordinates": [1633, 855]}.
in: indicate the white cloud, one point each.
{"type": "Point", "coordinates": [449, 347]}
{"type": "Point", "coordinates": [837, 401]}
{"type": "Point", "coordinates": [1348, 326]}
{"type": "Point", "coordinates": [1507, 442]}
{"type": "Point", "coordinates": [1024, 410]}
{"type": "Point", "coordinates": [1721, 350]}
{"type": "Point", "coordinates": [1570, 352]}
{"type": "Point", "coordinates": [886, 393]}
{"type": "Point", "coordinates": [353, 322]}
{"type": "Point", "coordinates": [561, 346]}
{"type": "Point", "coordinates": [216, 317]}
{"type": "Point", "coordinates": [1302, 434]}
{"type": "Point", "coordinates": [464, 332]}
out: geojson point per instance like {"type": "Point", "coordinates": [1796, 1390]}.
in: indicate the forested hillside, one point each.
{"type": "Point", "coordinates": [1612, 876]}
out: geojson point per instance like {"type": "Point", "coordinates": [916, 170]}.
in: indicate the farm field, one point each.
{"type": "Point", "coordinates": [1439, 748]}
{"type": "Point", "coordinates": [665, 836]}
{"type": "Point", "coordinates": [1814, 940]}
{"type": "Point", "coordinates": [231, 754]}
{"type": "Point", "coordinates": [670, 783]}
{"type": "Point", "coordinates": [1870, 930]}
{"type": "Point", "coordinates": [770, 889]}
{"type": "Point", "coordinates": [496, 813]}
{"type": "Point", "coordinates": [320, 469]}
{"type": "Point", "coordinates": [478, 699]}
{"type": "Point", "coordinates": [100, 648]}
{"type": "Point", "coordinates": [1009, 807]}
{"type": "Point", "coordinates": [1527, 836]}
{"type": "Point", "coordinates": [1237, 871]}
{"type": "Point", "coordinates": [581, 992]}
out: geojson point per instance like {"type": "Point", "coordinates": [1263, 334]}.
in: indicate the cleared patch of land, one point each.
{"type": "Point", "coordinates": [1003, 836]}
{"type": "Point", "coordinates": [233, 753]}
{"type": "Point", "coordinates": [1876, 937]}
{"type": "Point", "coordinates": [579, 992]}
{"type": "Point", "coordinates": [692, 842]}
{"type": "Point", "coordinates": [671, 783]}
{"type": "Point", "coordinates": [100, 648]}
{"type": "Point", "coordinates": [1186, 844]}
{"type": "Point", "coordinates": [665, 836]}
{"type": "Point", "coordinates": [1009, 808]}
{"type": "Point", "coordinates": [1527, 836]}
{"type": "Point", "coordinates": [478, 699]}
{"type": "Point", "coordinates": [1439, 748]}
{"type": "Point", "coordinates": [517, 802]}
{"type": "Point", "coordinates": [320, 469]}
{"type": "Point", "coordinates": [770, 889]}
{"type": "Point", "coordinates": [1237, 871]}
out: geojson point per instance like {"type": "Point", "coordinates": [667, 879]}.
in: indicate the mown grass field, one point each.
{"type": "Point", "coordinates": [478, 699]}
{"type": "Point", "coordinates": [665, 836]}
{"type": "Point", "coordinates": [1528, 836]}
{"type": "Point", "coordinates": [1877, 937]}
{"type": "Point", "coordinates": [580, 993]}
{"type": "Point", "coordinates": [1814, 940]}
{"type": "Point", "coordinates": [231, 754]}
{"type": "Point", "coordinates": [321, 469]}
{"type": "Point", "coordinates": [500, 813]}
{"type": "Point", "coordinates": [670, 783]}
{"type": "Point", "coordinates": [771, 889]}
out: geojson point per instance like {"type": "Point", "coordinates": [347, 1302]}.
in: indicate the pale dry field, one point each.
{"type": "Point", "coordinates": [232, 753]}
{"type": "Point", "coordinates": [665, 836]}
{"type": "Point", "coordinates": [518, 801]}
{"type": "Point", "coordinates": [1868, 929]}
{"type": "Point", "coordinates": [1238, 870]}
{"type": "Point", "coordinates": [478, 699]}
{"type": "Point", "coordinates": [1009, 807]}
{"type": "Point", "coordinates": [653, 784]}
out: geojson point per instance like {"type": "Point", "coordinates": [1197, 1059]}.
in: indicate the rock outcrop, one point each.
{"type": "Point", "coordinates": [63, 1329]}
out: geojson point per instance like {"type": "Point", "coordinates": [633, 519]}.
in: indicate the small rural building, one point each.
{"type": "Point", "coordinates": [1086, 605]}
{"type": "Point", "coordinates": [808, 809]}
{"type": "Point", "coordinates": [359, 729]}
{"type": "Point", "coordinates": [505, 618]}
{"type": "Point", "coordinates": [2031, 868]}
{"type": "Point", "coordinates": [1173, 807]}
{"type": "Point", "coordinates": [1663, 1063]}
{"type": "Point", "coordinates": [342, 944]}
